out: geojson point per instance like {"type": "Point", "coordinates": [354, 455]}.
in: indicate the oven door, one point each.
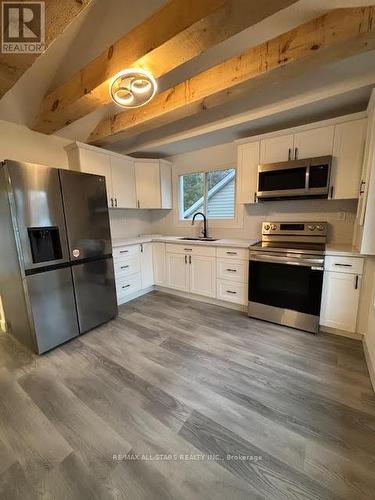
{"type": "Point", "coordinates": [286, 283]}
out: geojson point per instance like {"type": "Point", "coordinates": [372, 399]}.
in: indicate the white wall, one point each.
{"type": "Point", "coordinates": [339, 214]}
{"type": "Point", "coordinates": [129, 223]}
{"type": "Point", "coordinates": [20, 143]}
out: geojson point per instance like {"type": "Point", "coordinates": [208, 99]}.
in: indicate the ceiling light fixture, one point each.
{"type": "Point", "coordinates": [132, 88]}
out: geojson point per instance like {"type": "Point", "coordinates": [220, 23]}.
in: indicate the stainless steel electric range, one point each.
{"type": "Point", "coordinates": [286, 274]}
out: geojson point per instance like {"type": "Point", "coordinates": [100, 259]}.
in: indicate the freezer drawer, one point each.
{"type": "Point", "coordinates": [53, 308]}
{"type": "Point", "coordinates": [94, 285]}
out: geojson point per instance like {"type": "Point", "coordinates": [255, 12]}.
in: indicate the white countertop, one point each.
{"type": "Point", "coordinates": [177, 239]}
{"type": "Point", "coordinates": [347, 250]}
{"type": "Point", "coordinates": [331, 249]}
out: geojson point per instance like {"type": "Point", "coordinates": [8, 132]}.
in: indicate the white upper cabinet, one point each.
{"type": "Point", "coordinates": [275, 149]}
{"type": "Point", "coordinates": [348, 148]}
{"type": "Point", "coordinates": [153, 183]}
{"type": "Point", "coordinates": [91, 161]}
{"type": "Point", "coordinates": [145, 183]}
{"type": "Point", "coordinates": [123, 182]}
{"type": "Point", "coordinates": [247, 172]}
{"type": "Point", "coordinates": [314, 142]}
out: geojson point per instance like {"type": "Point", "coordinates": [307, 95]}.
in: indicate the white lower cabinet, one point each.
{"type": "Point", "coordinates": [133, 270]}
{"type": "Point", "coordinates": [202, 274]}
{"type": "Point", "coordinates": [159, 264]}
{"type": "Point", "coordinates": [340, 295]}
{"type": "Point", "coordinates": [147, 271]}
{"type": "Point", "coordinates": [188, 271]}
{"type": "Point", "coordinates": [177, 271]}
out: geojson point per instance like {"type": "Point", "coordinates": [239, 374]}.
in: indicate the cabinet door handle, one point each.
{"type": "Point", "coordinates": [295, 153]}
{"type": "Point", "coordinates": [141, 248]}
{"type": "Point", "coordinates": [289, 153]}
{"type": "Point", "coordinates": [115, 202]}
{"type": "Point", "coordinates": [356, 282]}
{"type": "Point", "coordinates": [126, 286]}
{"type": "Point", "coordinates": [255, 198]}
{"type": "Point", "coordinates": [111, 202]}
{"type": "Point", "coordinates": [124, 267]}
{"type": "Point", "coordinates": [231, 253]}
{"type": "Point", "coordinates": [342, 265]}
{"type": "Point", "coordinates": [185, 259]}
{"type": "Point", "coordinates": [124, 251]}
{"type": "Point", "coordinates": [231, 291]}
{"type": "Point", "coordinates": [232, 270]}
{"type": "Point", "coordinates": [362, 188]}
{"type": "Point", "coordinates": [189, 259]}
{"type": "Point", "coordinates": [139, 204]}
{"type": "Point", "coordinates": [331, 195]}
{"type": "Point", "coordinates": [188, 249]}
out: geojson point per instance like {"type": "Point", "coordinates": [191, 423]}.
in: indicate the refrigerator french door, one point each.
{"type": "Point", "coordinates": [90, 247]}
{"type": "Point", "coordinates": [38, 221]}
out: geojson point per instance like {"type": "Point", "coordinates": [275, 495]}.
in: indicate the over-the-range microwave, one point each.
{"type": "Point", "coordinates": [306, 178]}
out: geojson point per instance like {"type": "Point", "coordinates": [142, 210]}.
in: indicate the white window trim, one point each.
{"type": "Point", "coordinates": [235, 223]}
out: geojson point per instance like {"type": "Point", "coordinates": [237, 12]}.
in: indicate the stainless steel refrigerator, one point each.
{"type": "Point", "coordinates": [56, 268]}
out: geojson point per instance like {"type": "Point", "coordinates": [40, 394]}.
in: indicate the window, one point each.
{"type": "Point", "coordinates": [212, 193]}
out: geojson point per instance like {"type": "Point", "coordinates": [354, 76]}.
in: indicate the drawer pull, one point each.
{"type": "Point", "coordinates": [231, 253]}
{"type": "Point", "coordinates": [188, 249]}
{"type": "Point", "coordinates": [342, 265]}
{"type": "Point", "coordinates": [124, 251]}
{"type": "Point", "coordinates": [231, 291]}
{"type": "Point", "coordinates": [126, 286]}
{"type": "Point", "coordinates": [124, 267]}
{"type": "Point", "coordinates": [356, 282]}
{"type": "Point", "coordinates": [232, 270]}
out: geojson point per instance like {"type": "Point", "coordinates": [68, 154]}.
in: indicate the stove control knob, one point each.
{"type": "Point", "coordinates": [311, 227]}
{"type": "Point", "coordinates": [266, 227]}
{"type": "Point", "coordinates": [320, 227]}
{"type": "Point", "coordinates": [273, 227]}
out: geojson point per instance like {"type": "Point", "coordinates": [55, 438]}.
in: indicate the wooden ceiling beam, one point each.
{"type": "Point", "coordinates": [58, 16]}
{"type": "Point", "coordinates": [175, 34]}
{"type": "Point", "coordinates": [335, 36]}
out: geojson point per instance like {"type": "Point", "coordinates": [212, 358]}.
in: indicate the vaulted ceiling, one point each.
{"type": "Point", "coordinates": [225, 69]}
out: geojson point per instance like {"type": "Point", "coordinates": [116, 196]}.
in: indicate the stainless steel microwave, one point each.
{"type": "Point", "coordinates": [306, 178]}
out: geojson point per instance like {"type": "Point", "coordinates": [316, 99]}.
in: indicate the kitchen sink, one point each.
{"type": "Point", "coordinates": [198, 239]}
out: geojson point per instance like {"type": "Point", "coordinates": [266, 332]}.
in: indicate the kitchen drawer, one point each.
{"type": "Point", "coordinates": [129, 251]}
{"type": "Point", "coordinates": [232, 270]}
{"type": "Point", "coordinates": [231, 291]}
{"type": "Point", "coordinates": [127, 266]}
{"type": "Point", "coordinates": [233, 253]}
{"type": "Point", "coordinates": [342, 264]}
{"type": "Point", "coordinates": [191, 249]}
{"type": "Point", "coordinates": [128, 285]}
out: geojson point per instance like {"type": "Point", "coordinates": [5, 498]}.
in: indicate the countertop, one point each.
{"type": "Point", "coordinates": [347, 250]}
{"type": "Point", "coordinates": [331, 249]}
{"type": "Point", "coordinates": [177, 239]}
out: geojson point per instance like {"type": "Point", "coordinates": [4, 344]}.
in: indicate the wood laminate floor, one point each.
{"type": "Point", "coordinates": [177, 399]}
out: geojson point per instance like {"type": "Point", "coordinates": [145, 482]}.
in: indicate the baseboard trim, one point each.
{"type": "Point", "coordinates": [370, 366]}
{"type": "Point", "coordinates": [202, 298]}
{"type": "Point", "coordinates": [341, 333]}
{"type": "Point", "coordinates": [136, 295]}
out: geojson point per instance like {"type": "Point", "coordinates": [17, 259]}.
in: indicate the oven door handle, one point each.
{"type": "Point", "coordinates": [314, 264]}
